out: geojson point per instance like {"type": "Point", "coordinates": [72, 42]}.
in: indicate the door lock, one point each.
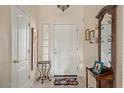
{"type": "Point", "coordinates": [55, 52]}
{"type": "Point", "coordinates": [15, 61]}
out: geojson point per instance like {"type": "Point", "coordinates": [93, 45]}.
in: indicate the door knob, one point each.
{"type": "Point", "coordinates": [15, 61]}
{"type": "Point", "coordinates": [55, 52]}
{"type": "Point", "coordinates": [55, 49]}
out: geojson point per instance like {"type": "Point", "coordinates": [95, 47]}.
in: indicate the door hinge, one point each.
{"type": "Point", "coordinates": [29, 24]}
{"type": "Point", "coordinates": [15, 61]}
{"type": "Point", "coordinates": [28, 50]}
{"type": "Point", "coordinates": [77, 29]}
{"type": "Point", "coordinates": [77, 67]}
{"type": "Point", "coordinates": [29, 76]}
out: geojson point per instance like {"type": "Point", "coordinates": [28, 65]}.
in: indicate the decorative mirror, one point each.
{"type": "Point", "coordinates": [107, 38]}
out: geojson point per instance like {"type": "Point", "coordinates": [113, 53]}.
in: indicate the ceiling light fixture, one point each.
{"type": "Point", "coordinates": [63, 7]}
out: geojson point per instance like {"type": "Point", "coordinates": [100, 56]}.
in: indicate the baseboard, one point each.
{"type": "Point", "coordinates": [5, 85]}
{"type": "Point", "coordinates": [65, 75]}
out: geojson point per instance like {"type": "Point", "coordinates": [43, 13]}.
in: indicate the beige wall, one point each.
{"type": "Point", "coordinates": [123, 48]}
{"type": "Point", "coordinates": [119, 46]}
{"type": "Point", "coordinates": [90, 23]}
{"type": "Point", "coordinates": [5, 46]}
{"type": "Point", "coordinates": [90, 50]}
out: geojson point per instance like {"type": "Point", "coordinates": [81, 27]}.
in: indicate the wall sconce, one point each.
{"type": "Point", "coordinates": [90, 36]}
{"type": "Point", "coordinates": [87, 34]}
{"type": "Point", "coordinates": [63, 7]}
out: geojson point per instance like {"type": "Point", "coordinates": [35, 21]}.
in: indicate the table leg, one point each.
{"type": "Point", "coordinates": [48, 71]}
{"type": "Point", "coordinates": [86, 77]}
{"type": "Point", "coordinates": [44, 71]}
{"type": "Point", "coordinates": [98, 83]}
{"type": "Point", "coordinates": [40, 73]}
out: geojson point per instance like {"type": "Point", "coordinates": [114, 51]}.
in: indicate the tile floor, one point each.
{"type": "Point", "coordinates": [50, 84]}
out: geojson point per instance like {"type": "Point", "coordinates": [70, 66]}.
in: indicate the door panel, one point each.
{"type": "Point", "coordinates": [21, 74]}
{"type": "Point", "coordinates": [22, 38]}
{"type": "Point", "coordinates": [65, 50]}
{"type": "Point", "coordinates": [20, 46]}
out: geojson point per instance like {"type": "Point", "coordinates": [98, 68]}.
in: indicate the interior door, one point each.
{"type": "Point", "coordinates": [20, 46]}
{"type": "Point", "coordinates": [65, 50]}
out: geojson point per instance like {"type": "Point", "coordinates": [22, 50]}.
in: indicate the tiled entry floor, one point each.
{"type": "Point", "coordinates": [50, 84]}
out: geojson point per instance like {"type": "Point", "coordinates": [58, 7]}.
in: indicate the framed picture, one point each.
{"type": "Point", "coordinates": [87, 34]}
{"type": "Point", "coordinates": [33, 47]}
{"type": "Point", "coordinates": [91, 36]}
{"type": "Point", "coordinates": [97, 67]}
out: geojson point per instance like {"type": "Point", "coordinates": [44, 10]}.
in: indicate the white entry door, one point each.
{"type": "Point", "coordinates": [20, 46]}
{"type": "Point", "coordinates": [65, 50]}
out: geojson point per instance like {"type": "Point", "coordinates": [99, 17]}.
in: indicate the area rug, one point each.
{"type": "Point", "coordinates": [65, 81]}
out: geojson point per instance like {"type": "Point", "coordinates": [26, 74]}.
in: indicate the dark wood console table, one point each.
{"type": "Point", "coordinates": [103, 80]}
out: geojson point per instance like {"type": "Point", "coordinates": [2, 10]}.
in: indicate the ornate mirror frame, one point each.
{"type": "Point", "coordinates": [111, 9]}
